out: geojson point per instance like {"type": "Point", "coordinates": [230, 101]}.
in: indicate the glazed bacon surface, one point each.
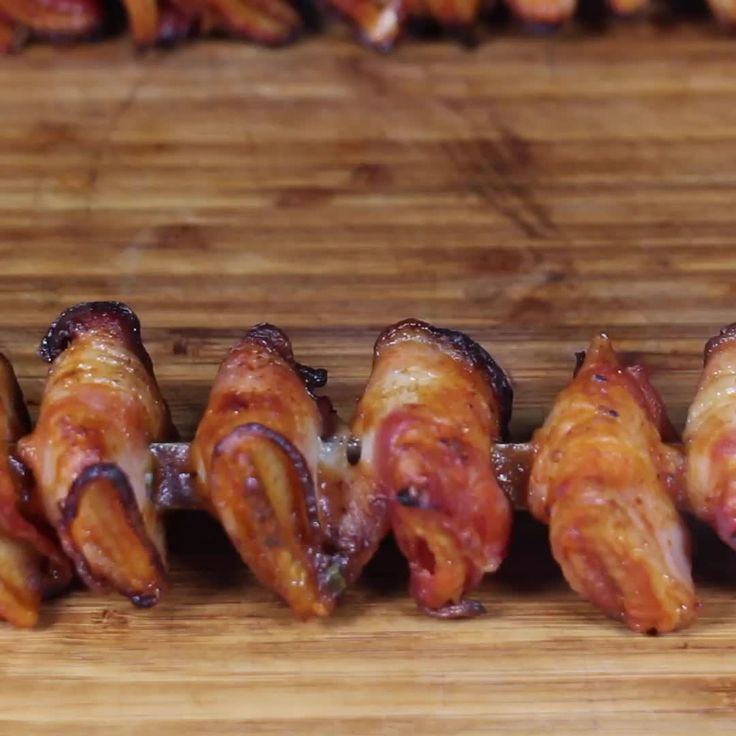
{"type": "Point", "coordinates": [256, 455]}
{"type": "Point", "coordinates": [710, 438]}
{"type": "Point", "coordinates": [31, 563]}
{"type": "Point", "coordinates": [89, 453]}
{"type": "Point", "coordinates": [434, 404]}
{"type": "Point", "coordinates": [605, 483]}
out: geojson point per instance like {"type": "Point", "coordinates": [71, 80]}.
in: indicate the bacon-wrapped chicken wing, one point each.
{"type": "Point", "coordinates": [52, 19]}
{"type": "Point", "coordinates": [710, 439]}
{"type": "Point", "coordinates": [257, 458]}
{"type": "Point", "coordinates": [31, 563]}
{"type": "Point", "coordinates": [605, 483]}
{"type": "Point", "coordinates": [271, 22]}
{"type": "Point", "coordinates": [381, 23]}
{"type": "Point", "coordinates": [434, 404]}
{"type": "Point", "coordinates": [89, 452]}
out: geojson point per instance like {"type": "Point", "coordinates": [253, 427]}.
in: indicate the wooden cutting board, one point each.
{"type": "Point", "coordinates": [530, 192]}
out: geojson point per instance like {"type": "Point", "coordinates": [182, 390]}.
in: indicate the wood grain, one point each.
{"type": "Point", "coordinates": [531, 193]}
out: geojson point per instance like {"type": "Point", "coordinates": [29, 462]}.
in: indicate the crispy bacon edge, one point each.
{"type": "Point", "coordinates": [32, 565]}
{"type": "Point", "coordinates": [451, 520]}
{"type": "Point", "coordinates": [281, 513]}
{"type": "Point", "coordinates": [623, 547]}
{"type": "Point", "coordinates": [103, 487]}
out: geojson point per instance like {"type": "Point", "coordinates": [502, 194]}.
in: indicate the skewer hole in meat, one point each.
{"type": "Point", "coordinates": [434, 404]}
{"type": "Point", "coordinates": [89, 453]}
{"type": "Point", "coordinates": [606, 484]}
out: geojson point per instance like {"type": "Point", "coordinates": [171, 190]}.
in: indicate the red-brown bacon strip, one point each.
{"type": "Point", "coordinates": [89, 452]}
{"type": "Point", "coordinates": [710, 439]}
{"type": "Point", "coordinates": [605, 483]}
{"type": "Point", "coordinates": [434, 404]}
{"type": "Point", "coordinates": [256, 455]}
{"type": "Point", "coordinates": [31, 563]}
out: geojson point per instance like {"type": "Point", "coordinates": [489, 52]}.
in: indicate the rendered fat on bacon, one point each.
{"type": "Point", "coordinates": [89, 453]}
{"type": "Point", "coordinates": [31, 563]}
{"type": "Point", "coordinates": [606, 484]}
{"type": "Point", "coordinates": [267, 461]}
{"type": "Point", "coordinates": [710, 439]}
{"type": "Point", "coordinates": [434, 404]}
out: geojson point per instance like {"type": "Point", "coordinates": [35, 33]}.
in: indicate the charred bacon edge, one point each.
{"type": "Point", "coordinates": [70, 508]}
{"type": "Point", "coordinates": [319, 548]}
{"type": "Point", "coordinates": [87, 316]}
{"type": "Point", "coordinates": [726, 335]}
{"type": "Point", "coordinates": [276, 340]}
{"type": "Point", "coordinates": [465, 348]}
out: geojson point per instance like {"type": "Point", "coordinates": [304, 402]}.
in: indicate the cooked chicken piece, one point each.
{"type": "Point", "coordinates": [605, 483]}
{"type": "Point", "coordinates": [89, 452]}
{"type": "Point", "coordinates": [434, 404]}
{"type": "Point", "coordinates": [257, 457]}
{"type": "Point", "coordinates": [31, 563]}
{"type": "Point", "coordinates": [710, 438]}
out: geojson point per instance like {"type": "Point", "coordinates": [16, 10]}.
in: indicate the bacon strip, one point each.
{"type": "Point", "coordinates": [89, 452]}
{"type": "Point", "coordinates": [12, 36]}
{"type": "Point", "coordinates": [605, 483]}
{"type": "Point", "coordinates": [31, 563]}
{"type": "Point", "coordinates": [256, 455]}
{"type": "Point", "coordinates": [710, 439]}
{"type": "Point", "coordinates": [433, 406]}
{"type": "Point", "coordinates": [724, 11]}
{"type": "Point", "coordinates": [543, 12]}
{"type": "Point", "coordinates": [271, 22]}
{"type": "Point", "coordinates": [55, 18]}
